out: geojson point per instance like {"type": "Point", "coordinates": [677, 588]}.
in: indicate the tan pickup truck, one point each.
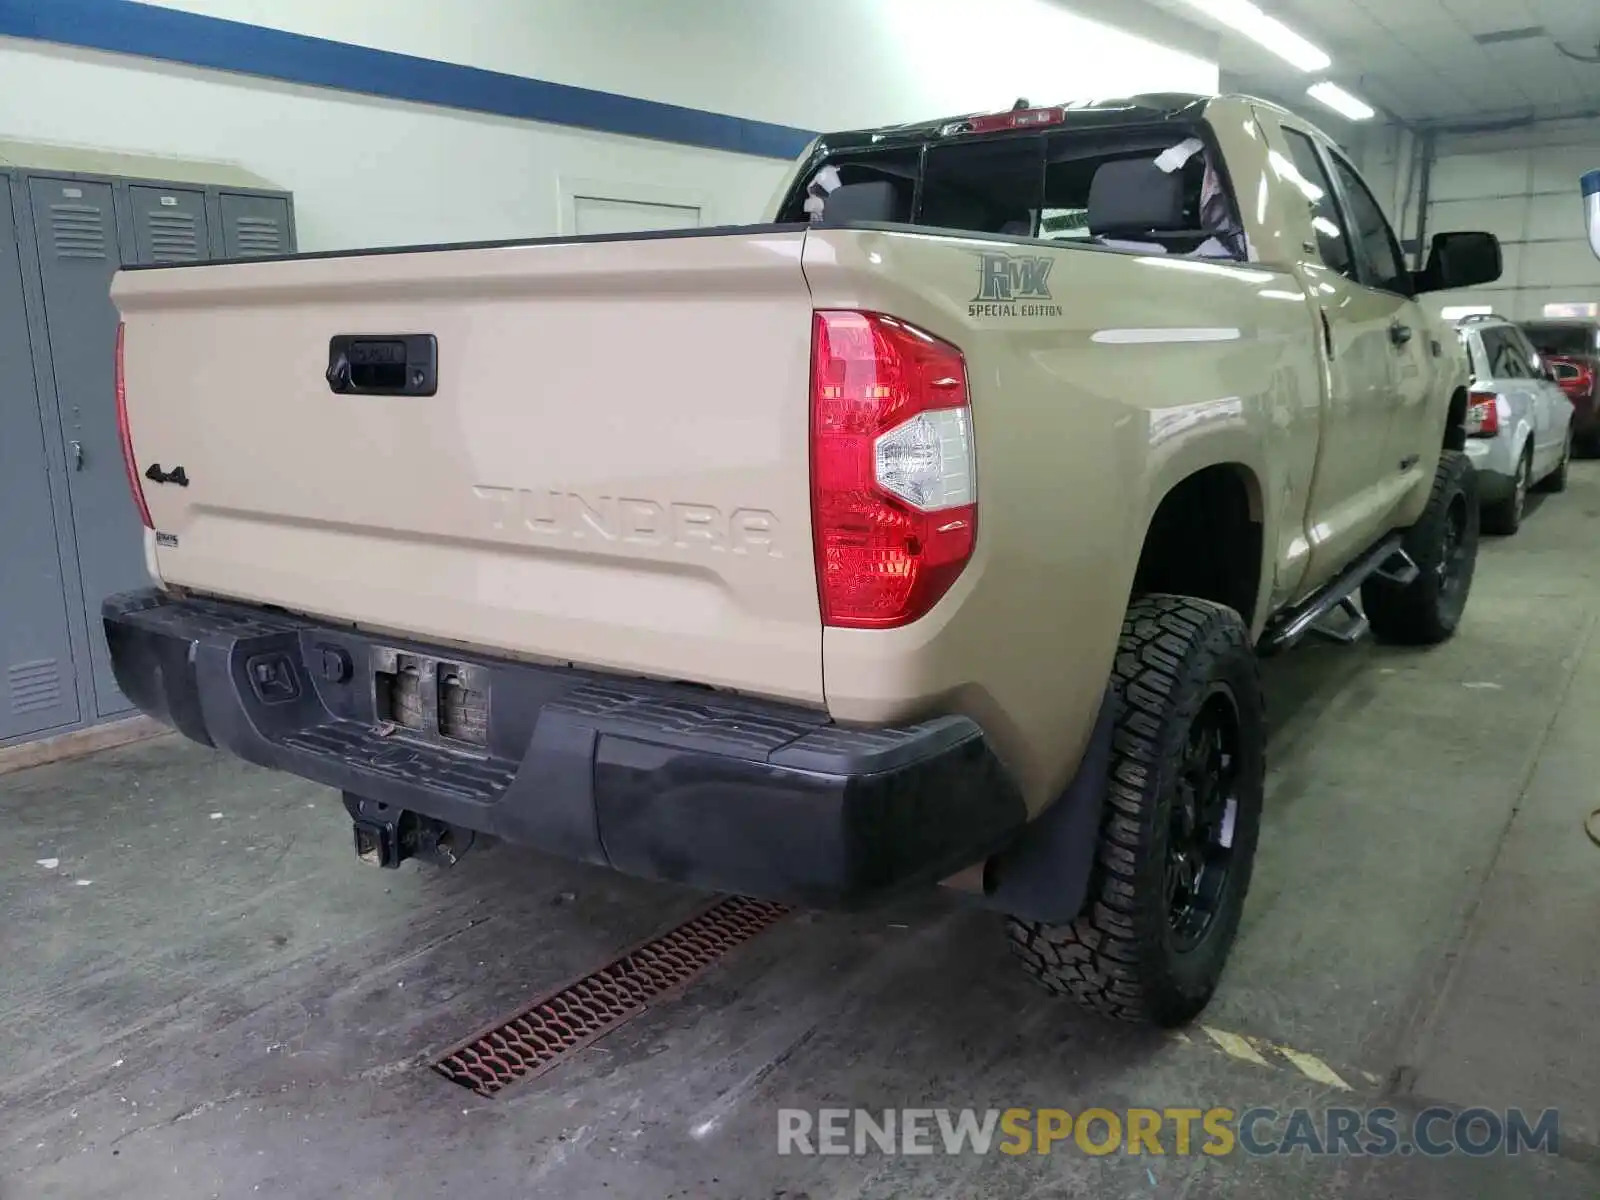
{"type": "Point", "coordinates": [926, 534]}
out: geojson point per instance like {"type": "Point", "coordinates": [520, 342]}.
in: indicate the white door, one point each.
{"type": "Point", "coordinates": [1511, 371]}
{"type": "Point", "coordinates": [1555, 410]}
{"type": "Point", "coordinates": [604, 214]}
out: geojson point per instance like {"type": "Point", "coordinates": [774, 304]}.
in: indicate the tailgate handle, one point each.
{"type": "Point", "coordinates": [383, 364]}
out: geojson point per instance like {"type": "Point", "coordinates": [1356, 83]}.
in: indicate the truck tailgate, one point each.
{"type": "Point", "coordinates": [613, 471]}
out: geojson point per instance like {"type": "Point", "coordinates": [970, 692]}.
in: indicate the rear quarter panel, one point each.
{"type": "Point", "coordinates": [1497, 455]}
{"type": "Point", "coordinates": [1089, 404]}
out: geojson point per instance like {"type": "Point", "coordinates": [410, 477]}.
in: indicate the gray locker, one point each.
{"type": "Point", "coordinates": [69, 532]}
{"type": "Point", "coordinates": [37, 688]}
{"type": "Point", "coordinates": [75, 229]}
{"type": "Point", "coordinates": [169, 224]}
{"type": "Point", "coordinates": [254, 226]}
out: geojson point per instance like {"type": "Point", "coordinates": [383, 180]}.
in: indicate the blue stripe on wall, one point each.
{"type": "Point", "coordinates": [123, 27]}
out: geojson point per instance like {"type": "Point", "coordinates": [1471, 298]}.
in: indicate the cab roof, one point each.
{"type": "Point", "coordinates": [1094, 114]}
{"type": "Point", "coordinates": [1153, 108]}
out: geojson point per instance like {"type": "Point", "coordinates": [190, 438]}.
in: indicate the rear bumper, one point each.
{"type": "Point", "coordinates": [1586, 416]}
{"type": "Point", "coordinates": [663, 781]}
{"type": "Point", "coordinates": [1495, 461]}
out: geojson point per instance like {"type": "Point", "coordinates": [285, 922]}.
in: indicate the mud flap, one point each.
{"type": "Point", "coordinates": [1044, 874]}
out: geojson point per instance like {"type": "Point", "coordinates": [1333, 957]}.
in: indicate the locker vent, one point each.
{"type": "Point", "coordinates": [172, 236]}
{"type": "Point", "coordinates": [35, 685]}
{"type": "Point", "coordinates": [78, 231]}
{"type": "Point", "coordinates": [257, 235]}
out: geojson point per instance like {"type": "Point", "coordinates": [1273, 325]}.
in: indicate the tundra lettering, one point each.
{"type": "Point", "coordinates": [552, 513]}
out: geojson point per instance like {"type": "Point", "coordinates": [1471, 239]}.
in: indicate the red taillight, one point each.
{"type": "Point", "coordinates": [1017, 118]}
{"type": "Point", "coordinates": [1483, 413]}
{"type": "Point", "coordinates": [1575, 378]}
{"type": "Point", "coordinates": [128, 460]}
{"type": "Point", "coordinates": [894, 502]}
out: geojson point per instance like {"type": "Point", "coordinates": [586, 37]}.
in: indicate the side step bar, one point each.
{"type": "Point", "coordinates": [1354, 628]}
{"type": "Point", "coordinates": [1387, 560]}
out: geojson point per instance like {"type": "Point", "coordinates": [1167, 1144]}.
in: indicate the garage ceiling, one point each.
{"type": "Point", "coordinates": [1432, 61]}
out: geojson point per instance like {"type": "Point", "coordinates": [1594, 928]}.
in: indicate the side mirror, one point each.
{"type": "Point", "coordinates": [1461, 260]}
{"type": "Point", "coordinates": [1591, 208]}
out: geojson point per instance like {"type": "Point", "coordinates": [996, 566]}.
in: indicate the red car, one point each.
{"type": "Point", "coordinates": [1572, 351]}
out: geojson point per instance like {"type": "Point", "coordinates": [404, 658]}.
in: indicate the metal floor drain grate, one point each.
{"type": "Point", "coordinates": [567, 1020]}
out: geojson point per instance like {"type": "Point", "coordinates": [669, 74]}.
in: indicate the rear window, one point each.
{"type": "Point", "coordinates": [1039, 186]}
{"type": "Point", "coordinates": [1505, 356]}
{"type": "Point", "coordinates": [1567, 340]}
{"type": "Point", "coordinates": [984, 187]}
{"type": "Point", "coordinates": [899, 169]}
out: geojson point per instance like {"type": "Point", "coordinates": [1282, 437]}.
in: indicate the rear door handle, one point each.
{"type": "Point", "coordinates": [1399, 333]}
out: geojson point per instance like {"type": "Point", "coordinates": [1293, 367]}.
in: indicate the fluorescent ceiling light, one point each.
{"type": "Point", "coordinates": [1577, 309]}
{"type": "Point", "coordinates": [1244, 17]}
{"type": "Point", "coordinates": [1341, 101]}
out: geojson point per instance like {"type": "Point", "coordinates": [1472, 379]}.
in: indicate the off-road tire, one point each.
{"type": "Point", "coordinates": [1426, 611]}
{"type": "Point", "coordinates": [1556, 481]}
{"type": "Point", "coordinates": [1118, 956]}
{"type": "Point", "coordinates": [1504, 517]}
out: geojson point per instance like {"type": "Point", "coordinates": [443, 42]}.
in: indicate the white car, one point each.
{"type": "Point", "coordinates": [1519, 421]}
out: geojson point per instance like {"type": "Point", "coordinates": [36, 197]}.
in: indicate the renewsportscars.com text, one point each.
{"type": "Point", "coordinates": [1215, 1132]}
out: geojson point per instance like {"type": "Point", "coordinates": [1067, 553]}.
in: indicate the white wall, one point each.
{"type": "Point", "coordinates": [368, 171]}
{"type": "Point", "coordinates": [1387, 156]}
{"type": "Point", "coordinates": [1522, 185]}
{"type": "Point", "coordinates": [817, 64]}
{"type": "Point", "coordinates": [365, 172]}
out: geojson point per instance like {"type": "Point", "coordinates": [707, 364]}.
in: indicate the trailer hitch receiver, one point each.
{"type": "Point", "coordinates": [385, 836]}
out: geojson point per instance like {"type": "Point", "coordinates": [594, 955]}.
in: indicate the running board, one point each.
{"type": "Point", "coordinates": [1386, 560]}
{"type": "Point", "coordinates": [1352, 631]}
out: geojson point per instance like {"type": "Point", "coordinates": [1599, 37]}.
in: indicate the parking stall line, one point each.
{"type": "Point", "coordinates": [1275, 1056]}
{"type": "Point", "coordinates": [1313, 1067]}
{"type": "Point", "coordinates": [1235, 1046]}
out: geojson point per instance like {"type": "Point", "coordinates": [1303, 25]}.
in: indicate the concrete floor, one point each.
{"type": "Point", "coordinates": [206, 996]}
